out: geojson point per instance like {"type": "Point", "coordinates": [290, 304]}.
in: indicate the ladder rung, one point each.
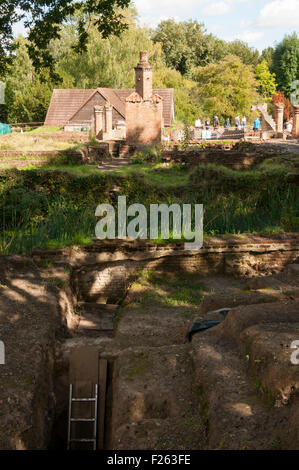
{"type": "Point", "coordinates": [82, 440]}
{"type": "Point", "coordinates": [91, 420]}
{"type": "Point", "coordinates": [83, 399]}
{"type": "Point", "coordinates": [82, 419]}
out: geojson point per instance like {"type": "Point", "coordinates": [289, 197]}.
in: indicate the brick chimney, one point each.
{"type": "Point", "coordinates": [144, 77]}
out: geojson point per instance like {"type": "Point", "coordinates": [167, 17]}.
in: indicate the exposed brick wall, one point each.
{"type": "Point", "coordinates": [108, 283]}
{"type": "Point", "coordinates": [103, 271]}
{"type": "Point", "coordinates": [144, 121]}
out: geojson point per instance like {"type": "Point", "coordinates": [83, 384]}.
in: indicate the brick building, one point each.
{"type": "Point", "coordinates": [114, 113]}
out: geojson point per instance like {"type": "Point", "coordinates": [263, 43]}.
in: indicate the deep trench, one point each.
{"type": "Point", "coordinates": [59, 429]}
{"type": "Point", "coordinates": [59, 433]}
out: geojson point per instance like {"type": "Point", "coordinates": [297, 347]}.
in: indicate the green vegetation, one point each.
{"type": "Point", "coordinates": [238, 94]}
{"type": "Point", "coordinates": [153, 289]}
{"type": "Point", "coordinates": [182, 53]}
{"type": "Point", "coordinates": [286, 62]}
{"type": "Point", "coordinates": [54, 206]}
{"type": "Point", "coordinates": [266, 80]}
{"type": "Point", "coordinates": [43, 20]}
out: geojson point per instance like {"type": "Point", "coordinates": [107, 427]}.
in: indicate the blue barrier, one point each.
{"type": "Point", "coordinates": [4, 128]}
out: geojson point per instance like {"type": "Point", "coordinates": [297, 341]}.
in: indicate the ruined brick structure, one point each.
{"type": "Point", "coordinates": [144, 109]}
{"type": "Point", "coordinates": [104, 110]}
{"type": "Point", "coordinates": [295, 133]}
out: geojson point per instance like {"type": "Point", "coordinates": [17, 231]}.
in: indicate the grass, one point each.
{"type": "Point", "coordinates": [155, 175]}
{"type": "Point", "coordinates": [45, 130]}
{"type": "Point", "coordinates": [30, 141]}
{"type": "Point", "coordinates": [54, 206]}
{"type": "Point", "coordinates": [152, 288]}
{"type": "Point", "coordinates": [73, 169]}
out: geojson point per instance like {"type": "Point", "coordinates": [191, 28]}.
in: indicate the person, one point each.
{"type": "Point", "coordinates": [197, 123]}
{"type": "Point", "coordinates": [207, 124]}
{"type": "Point", "coordinates": [227, 123]}
{"type": "Point", "coordinates": [243, 123]}
{"type": "Point", "coordinates": [289, 126]}
{"type": "Point", "coordinates": [237, 122]}
{"type": "Point", "coordinates": [256, 125]}
{"type": "Point", "coordinates": [216, 122]}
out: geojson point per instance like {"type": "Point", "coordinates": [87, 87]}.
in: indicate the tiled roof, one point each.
{"type": "Point", "coordinates": [66, 103]}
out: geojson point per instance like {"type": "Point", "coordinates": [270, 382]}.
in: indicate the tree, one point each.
{"type": "Point", "coordinates": [27, 93]}
{"type": "Point", "coordinates": [266, 80]}
{"type": "Point", "coordinates": [187, 107]}
{"type": "Point", "coordinates": [286, 62]}
{"type": "Point", "coordinates": [185, 44]}
{"type": "Point", "coordinates": [44, 18]}
{"type": "Point", "coordinates": [267, 55]}
{"type": "Point", "coordinates": [226, 89]}
{"type": "Point", "coordinates": [107, 62]}
{"type": "Point", "coordinates": [248, 55]}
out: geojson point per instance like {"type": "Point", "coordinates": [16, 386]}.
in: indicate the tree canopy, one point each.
{"type": "Point", "coordinates": [43, 19]}
{"type": "Point", "coordinates": [266, 80]}
{"type": "Point", "coordinates": [226, 89]}
{"type": "Point", "coordinates": [286, 62]}
{"type": "Point", "coordinates": [185, 44]}
{"type": "Point", "coordinates": [207, 78]}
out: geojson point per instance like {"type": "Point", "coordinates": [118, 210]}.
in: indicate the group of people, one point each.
{"type": "Point", "coordinates": [240, 123]}
{"type": "Point", "coordinates": [207, 124]}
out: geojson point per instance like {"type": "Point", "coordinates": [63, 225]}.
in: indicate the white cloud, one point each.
{"type": "Point", "coordinates": [283, 13]}
{"type": "Point", "coordinates": [151, 11]}
{"type": "Point", "coordinates": [216, 8]}
{"type": "Point", "coordinates": [166, 8]}
{"type": "Point", "coordinates": [249, 36]}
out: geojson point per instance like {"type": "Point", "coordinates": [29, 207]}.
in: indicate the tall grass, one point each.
{"type": "Point", "coordinates": [61, 222]}
{"type": "Point", "coordinates": [50, 208]}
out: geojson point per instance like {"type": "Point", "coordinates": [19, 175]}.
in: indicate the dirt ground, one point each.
{"type": "Point", "coordinates": [232, 387]}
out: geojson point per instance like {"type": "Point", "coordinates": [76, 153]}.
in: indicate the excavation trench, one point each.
{"type": "Point", "coordinates": [116, 315]}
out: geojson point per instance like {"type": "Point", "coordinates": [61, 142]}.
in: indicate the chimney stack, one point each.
{"type": "Point", "coordinates": [144, 77]}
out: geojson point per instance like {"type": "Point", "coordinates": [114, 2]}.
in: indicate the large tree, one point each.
{"type": "Point", "coordinates": [185, 44]}
{"type": "Point", "coordinates": [226, 89]}
{"type": "Point", "coordinates": [43, 19]}
{"type": "Point", "coordinates": [267, 55]}
{"type": "Point", "coordinates": [286, 62]}
{"type": "Point", "coordinates": [266, 80]}
{"type": "Point", "coordinates": [248, 55]}
{"type": "Point", "coordinates": [107, 62]}
{"type": "Point", "coordinates": [27, 92]}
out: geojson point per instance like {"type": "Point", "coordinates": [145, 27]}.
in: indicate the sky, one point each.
{"type": "Point", "coordinates": [260, 23]}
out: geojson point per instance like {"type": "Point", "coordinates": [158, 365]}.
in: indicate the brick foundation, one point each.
{"type": "Point", "coordinates": [103, 271]}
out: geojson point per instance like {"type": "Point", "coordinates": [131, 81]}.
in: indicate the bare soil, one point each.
{"type": "Point", "coordinates": [232, 387]}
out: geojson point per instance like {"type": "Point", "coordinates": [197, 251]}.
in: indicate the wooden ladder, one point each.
{"type": "Point", "coordinates": [94, 419]}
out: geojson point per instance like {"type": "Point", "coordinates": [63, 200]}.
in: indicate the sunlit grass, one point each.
{"type": "Point", "coordinates": [29, 141]}
{"type": "Point", "coordinates": [156, 175]}
{"type": "Point", "coordinates": [153, 288]}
